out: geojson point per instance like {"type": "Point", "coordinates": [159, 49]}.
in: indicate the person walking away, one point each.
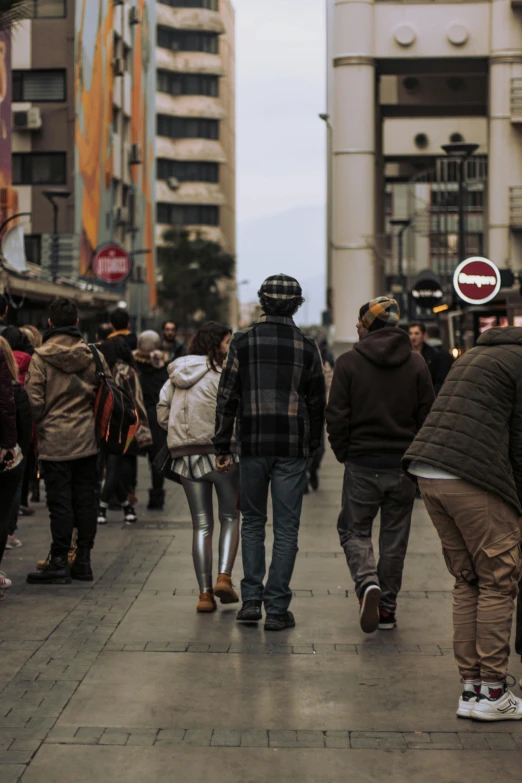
{"type": "Point", "coordinates": [273, 389]}
{"type": "Point", "coordinates": [61, 385]}
{"type": "Point", "coordinates": [8, 444]}
{"type": "Point", "coordinates": [433, 340]}
{"type": "Point", "coordinates": [468, 460]}
{"type": "Point", "coordinates": [24, 430]}
{"type": "Point", "coordinates": [31, 480]}
{"type": "Point", "coordinates": [150, 365]}
{"type": "Point", "coordinates": [381, 393]}
{"type": "Point", "coordinates": [33, 334]}
{"type": "Point", "coordinates": [187, 408]}
{"type": "Point", "coordinates": [417, 332]}
{"type": "Point", "coordinates": [120, 322]}
{"type": "Point", "coordinates": [315, 463]}
{"type": "Point", "coordinates": [22, 351]}
{"type": "Point", "coordinates": [120, 468]}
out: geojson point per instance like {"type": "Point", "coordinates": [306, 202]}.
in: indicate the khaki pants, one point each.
{"type": "Point", "coordinates": [481, 541]}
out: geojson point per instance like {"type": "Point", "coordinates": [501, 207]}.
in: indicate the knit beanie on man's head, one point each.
{"type": "Point", "coordinates": [380, 312]}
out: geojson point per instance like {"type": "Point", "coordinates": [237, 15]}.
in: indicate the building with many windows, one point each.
{"type": "Point", "coordinates": [195, 105]}
{"type": "Point", "coordinates": [83, 91]}
{"type": "Point", "coordinates": [404, 79]}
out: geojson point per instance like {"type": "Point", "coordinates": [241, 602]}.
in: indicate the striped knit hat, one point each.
{"type": "Point", "coordinates": [380, 312]}
{"type": "Point", "coordinates": [281, 287]}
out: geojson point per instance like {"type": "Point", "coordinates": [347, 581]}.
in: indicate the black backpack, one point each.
{"type": "Point", "coordinates": [115, 414]}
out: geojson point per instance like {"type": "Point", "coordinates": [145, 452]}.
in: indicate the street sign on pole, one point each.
{"type": "Point", "coordinates": [477, 280]}
{"type": "Point", "coordinates": [112, 264]}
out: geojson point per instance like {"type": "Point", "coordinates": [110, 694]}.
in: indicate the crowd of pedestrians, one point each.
{"type": "Point", "coordinates": [244, 416]}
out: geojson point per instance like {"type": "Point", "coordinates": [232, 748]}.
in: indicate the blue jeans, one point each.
{"type": "Point", "coordinates": [288, 480]}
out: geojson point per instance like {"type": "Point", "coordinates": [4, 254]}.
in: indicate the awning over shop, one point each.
{"type": "Point", "coordinates": [86, 296]}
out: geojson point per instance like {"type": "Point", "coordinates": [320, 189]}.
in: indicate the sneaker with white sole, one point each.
{"type": "Point", "coordinates": [469, 698]}
{"type": "Point", "coordinates": [496, 702]}
{"type": "Point", "coordinates": [387, 620]}
{"type": "Point", "coordinates": [129, 514]}
{"type": "Point", "coordinates": [369, 614]}
{"type": "Point", "coordinates": [5, 583]}
{"type": "Point", "coordinates": [13, 543]}
{"type": "Point", "coordinates": [102, 515]}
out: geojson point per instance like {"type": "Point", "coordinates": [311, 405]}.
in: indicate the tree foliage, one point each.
{"type": "Point", "coordinates": [192, 272]}
{"type": "Point", "coordinates": [12, 12]}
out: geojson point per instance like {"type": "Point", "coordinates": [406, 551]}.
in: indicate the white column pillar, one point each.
{"type": "Point", "coordinates": [353, 165]}
{"type": "Point", "coordinates": [505, 139]}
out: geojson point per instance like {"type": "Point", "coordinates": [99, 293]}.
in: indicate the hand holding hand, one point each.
{"type": "Point", "coordinates": [223, 463]}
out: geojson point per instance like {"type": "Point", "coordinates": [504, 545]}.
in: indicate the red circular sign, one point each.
{"type": "Point", "coordinates": [112, 264]}
{"type": "Point", "coordinates": [477, 280]}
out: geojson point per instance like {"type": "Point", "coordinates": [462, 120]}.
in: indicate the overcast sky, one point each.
{"type": "Point", "coordinates": [280, 92]}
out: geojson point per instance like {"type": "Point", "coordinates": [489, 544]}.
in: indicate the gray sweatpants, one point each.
{"type": "Point", "coordinates": [365, 492]}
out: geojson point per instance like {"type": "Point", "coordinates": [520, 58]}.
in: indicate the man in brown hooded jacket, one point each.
{"type": "Point", "coordinates": [62, 384]}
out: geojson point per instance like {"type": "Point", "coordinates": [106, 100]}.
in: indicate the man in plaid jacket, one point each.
{"type": "Point", "coordinates": [273, 391]}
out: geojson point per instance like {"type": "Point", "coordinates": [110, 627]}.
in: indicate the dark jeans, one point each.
{"type": "Point", "coordinates": [365, 492]}
{"type": "Point", "coordinates": [72, 498]}
{"type": "Point", "coordinates": [287, 478]}
{"type": "Point", "coordinates": [118, 477]}
{"type": "Point", "coordinates": [157, 478]}
{"type": "Point", "coordinates": [15, 505]}
{"type": "Point", "coordinates": [9, 483]}
{"type": "Point", "coordinates": [30, 471]}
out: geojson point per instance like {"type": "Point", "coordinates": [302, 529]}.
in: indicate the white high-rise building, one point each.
{"type": "Point", "coordinates": [403, 80]}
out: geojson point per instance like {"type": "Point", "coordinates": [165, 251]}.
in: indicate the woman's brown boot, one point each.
{"type": "Point", "coordinates": [207, 602]}
{"type": "Point", "coordinates": [225, 590]}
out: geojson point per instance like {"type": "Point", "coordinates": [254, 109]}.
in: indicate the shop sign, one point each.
{"type": "Point", "coordinates": [477, 280]}
{"type": "Point", "coordinates": [112, 264]}
{"type": "Point", "coordinates": [427, 290]}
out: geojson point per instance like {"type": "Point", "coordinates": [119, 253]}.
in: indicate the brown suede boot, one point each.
{"type": "Point", "coordinates": [225, 590]}
{"type": "Point", "coordinates": [207, 602]}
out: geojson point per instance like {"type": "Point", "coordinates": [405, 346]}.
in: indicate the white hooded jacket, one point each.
{"type": "Point", "coordinates": [187, 406]}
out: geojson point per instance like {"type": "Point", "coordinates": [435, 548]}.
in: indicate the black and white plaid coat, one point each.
{"type": "Point", "coordinates": [273, 388]}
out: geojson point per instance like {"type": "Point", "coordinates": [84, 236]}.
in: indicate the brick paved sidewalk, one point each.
{"type": "Point", "coordinates": [123, 678]}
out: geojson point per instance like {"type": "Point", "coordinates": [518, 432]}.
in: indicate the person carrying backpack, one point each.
{"type": "Point", "coordinates": [62, 384]}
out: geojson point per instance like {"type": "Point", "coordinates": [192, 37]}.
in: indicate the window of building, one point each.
{"type": "Point", "coordinates": [33, 248]}
{"type": "Point", "coordinates": [449, 200]}
{"type": "Point", "coordinates": [188, 214]}
{"type": "Point", "coordinates": [39, 168]}
{"type": "Point", "coordinates": [212, 5]}
{"type": "Point", "coordinates": [47, 9]}
{"type": "Point", "coordinates": [187, 127]}
{"type": "Point", "coordinates": [188, 84]}
{"type": "Point", "coordinates": [187, 40]}
{"type": "Point", "coordinates": [188, 170]}
{"type": "Point", "coordinates": [39, 86]}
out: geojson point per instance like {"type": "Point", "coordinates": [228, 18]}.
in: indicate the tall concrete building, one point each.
{"type": "Point", "coordinates": [83, 91]}
{"type": "Point", "coordinates": [405, 78]}
{"type": "Point", "coordinates": [195, 105]}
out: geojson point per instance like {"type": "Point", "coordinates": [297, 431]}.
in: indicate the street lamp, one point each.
{"type": "Point", "coordinates": [461, 151]}
{"type": "Point", "coordinates": [403, 224]}
{"type": "Point", "coordinates": [329, 210]}
{"type": "Point", "coordinates": [51, 196]}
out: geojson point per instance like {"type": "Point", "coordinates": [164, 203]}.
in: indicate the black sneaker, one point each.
{"type": "Point", "coordinates": [369, 614]}
{"type": "Point", "coordinates": [54, 572]}
{"type": "Point", "coordinates": [129, 514]}
{"type": "Point", "coordinates": [279, 622]}
{"type": "Point", "coordinates": [250, 612]}
{"type": "Point", "coordinates": [102, 515]}
{"type": "Point", "coordinates": [387, 620]}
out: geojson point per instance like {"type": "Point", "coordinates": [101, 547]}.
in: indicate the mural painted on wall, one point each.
{"type": "Point", "coordinates": [104, 137]}
{"type": "Point", "coordinates": [8, 197]}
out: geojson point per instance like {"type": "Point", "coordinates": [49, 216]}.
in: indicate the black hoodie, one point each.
{"type": "Point", "coordinates": [381, 393]}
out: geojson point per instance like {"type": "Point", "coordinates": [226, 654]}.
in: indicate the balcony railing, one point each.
{"type": "Point", "coordinates": [516, 100]}
{"type": "Point", "coordinates": [515, 207]}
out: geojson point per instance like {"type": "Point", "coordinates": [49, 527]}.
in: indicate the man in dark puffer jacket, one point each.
{"type": "Point", "coordinates": [468, 459]}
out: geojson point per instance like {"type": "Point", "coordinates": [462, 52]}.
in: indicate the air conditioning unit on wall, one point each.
{"type": "Point", "coordinates": [30, 119]}
{"type": "Point", "coordinates": [135, 156]}
{"type": "Point", "coordinates": [134, 15]}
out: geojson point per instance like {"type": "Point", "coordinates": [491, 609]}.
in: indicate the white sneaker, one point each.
{"type": "Point", "coordinates": [369, 614]}
{"type": "Point", "coordinates": [102, 515]}
{"type": "Point", "coordinates": [467, 701]}
{"type": "Point", "coordinates": [5, 583]}
{"type": "Point", "coordinates": [504, 707]}
{"type": "Point", "coordinates": [130, 515]}
{"type": "Point", "coordinates": [13, 543]}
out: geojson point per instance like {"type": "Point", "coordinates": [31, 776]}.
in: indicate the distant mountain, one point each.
{"type": "Point", "coordinates": [292, 242]}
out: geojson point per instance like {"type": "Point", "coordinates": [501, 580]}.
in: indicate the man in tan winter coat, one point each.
{"type": "Point", "coordinates": [62, 384]}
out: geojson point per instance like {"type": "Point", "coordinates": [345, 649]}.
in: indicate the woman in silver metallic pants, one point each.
{"type": "Point", "coordinates": [199, 495]}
